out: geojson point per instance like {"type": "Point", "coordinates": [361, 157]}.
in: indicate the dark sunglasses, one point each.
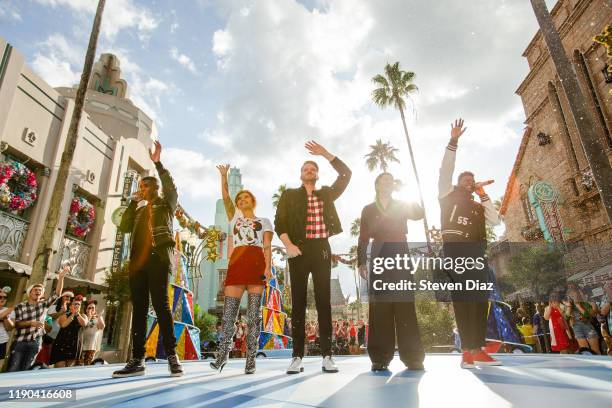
{"type": "Point", "coordinates": [3, 297]}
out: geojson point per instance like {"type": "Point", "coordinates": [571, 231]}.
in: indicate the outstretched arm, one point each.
{"type": "Point", "coordinates": [230, 210]}
{"type": "Point", "coordinates": [167, 183]}
{"type": "Point", "coordinates": [445, 182]}
{"type": "Point", "coordinates": [344, 173]}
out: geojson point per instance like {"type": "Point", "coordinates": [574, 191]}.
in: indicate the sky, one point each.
{"type": "Point", "coordinates": [248, 82]}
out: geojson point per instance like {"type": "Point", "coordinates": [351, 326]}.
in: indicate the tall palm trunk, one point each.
{"type": "Point", "coordinates": [594, 151]}
{"type": "Point", "coordinates": [40, 265]}
{"type": "Point", "coordinates": [416, 175]}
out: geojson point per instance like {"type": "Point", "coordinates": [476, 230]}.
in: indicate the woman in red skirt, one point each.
{"type": "Point", "coordinates": [249, 268]}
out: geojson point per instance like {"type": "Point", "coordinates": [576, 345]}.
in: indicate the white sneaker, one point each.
{"type": "Point", "coordinates": [329, 366]}
{"type": "Point", "coordinates": [296, 366]}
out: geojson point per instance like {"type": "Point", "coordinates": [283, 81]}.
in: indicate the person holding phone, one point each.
{"type": "Point", "coordinates": [66, 347]}
{"type": "Point", "coordinates": [250, 265]}
{"type": "Point", "coordinates": [94, 326]}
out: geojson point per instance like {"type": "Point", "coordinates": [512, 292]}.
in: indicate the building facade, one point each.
{"type": "Point", "coordinates": [111, 155]}
{"type": "Point", "coordinates": [551, 195]}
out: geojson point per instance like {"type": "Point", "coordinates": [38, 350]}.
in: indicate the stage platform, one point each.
{"type": "Point", "coordinates": [529, 380]}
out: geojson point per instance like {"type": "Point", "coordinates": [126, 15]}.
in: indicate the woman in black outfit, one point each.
{"type": "Point", "coordinates": [385, 222]}
{"type": "Point", "coordinates": [67, 345]}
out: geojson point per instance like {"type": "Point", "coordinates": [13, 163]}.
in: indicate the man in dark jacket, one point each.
{"type": "Point", "coordinates": [148, 218]}
{"type": "Point", "coordinates": [305, 219]}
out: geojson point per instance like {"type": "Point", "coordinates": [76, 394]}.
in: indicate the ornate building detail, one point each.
{"type": "Point", "coordinates": [76, 253]}
{"type": "Point", "coordinates": [12, 233]}
{"type": "Point", "coordinates": [545, 198]}
{"type": "Point", "coordinates": [106, 77]}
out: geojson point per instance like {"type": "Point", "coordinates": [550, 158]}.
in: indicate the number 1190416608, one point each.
{"type": "Point", "coordinates": [37, 394]}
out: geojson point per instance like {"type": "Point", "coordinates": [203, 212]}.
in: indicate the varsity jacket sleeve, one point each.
{"type": "Point", "coordinates": [364, 238]}
{"type": "Point", "coordinates": [168, 186]}
{"type": "Point", "coordinates": [445, 182]}
{"type": "Point", "coordinates": [281, 216]}
{"type": "Point", "coordinates": [127, 220]}
{"type": "Point", "coordinates": [344, 176]}
{"type": "Point", "coordinates": [491, 215]}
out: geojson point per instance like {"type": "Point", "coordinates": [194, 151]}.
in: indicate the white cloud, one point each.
{"type": "Point", "coordinates": [183, 59]}
{"type": "Point", "coordinates": [118, 15]}
{"type": "Point", "coordinates": [9, 11]}
{"type": "Point", "coordinates": [195, 175]}
{"type": "Point", "coordinates": [56, 61]}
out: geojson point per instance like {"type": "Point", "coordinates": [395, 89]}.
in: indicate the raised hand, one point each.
{"type": "Point", "coordinates": [479, 186]}
{"type": "Point", "coordinates": [457, 129]}
{"type": "Point", "coordinates": [156, 153]}
{"type": "Point", "coordinates": [317, 150]}
{"type": "Point", "coordinates": [63, 272]}
{"type": "Point", "coordinates": [223, 169]}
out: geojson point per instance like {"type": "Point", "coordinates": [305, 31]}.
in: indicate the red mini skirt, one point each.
{"type": "Point", "coordinates": [247, 266]}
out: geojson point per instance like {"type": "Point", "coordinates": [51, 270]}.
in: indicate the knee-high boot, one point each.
{"type": "Point", "coordinates": [254, 324]}
{"type": "Point", "coordinates": [231, 307]}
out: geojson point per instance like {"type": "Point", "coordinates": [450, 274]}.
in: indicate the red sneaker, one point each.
{"type": "Point", "coordinates": [483, 359]}
{"type": "Point", "coordinates": [467, 360]}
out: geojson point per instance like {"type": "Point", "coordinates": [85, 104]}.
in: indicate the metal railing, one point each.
{"type": "Point", "coordinates": [76, 254]}
{"type": "Point", "coordinates": [13, 231]}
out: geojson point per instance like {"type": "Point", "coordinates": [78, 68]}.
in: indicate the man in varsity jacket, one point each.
{"type": "Point", "coordinates": [464, 236]}
{"type": "Point", "coordinates": [305, 219]}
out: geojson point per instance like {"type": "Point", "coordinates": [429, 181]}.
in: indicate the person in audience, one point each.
{"type": "Point", "coordinates": [30, 323]}
{"type": "Point", "coordinates": [67, 344]}
{"type": "Point", "coordinates": [90, 334]}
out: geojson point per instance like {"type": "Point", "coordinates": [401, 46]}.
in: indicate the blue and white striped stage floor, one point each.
{"type": "Point", "coordinates": [535, 380]}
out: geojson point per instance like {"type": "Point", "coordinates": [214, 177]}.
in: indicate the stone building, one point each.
{"type": "Point", "coordinates": [551, 193]}
{"type": "Point", "coordinates": [111, 154]}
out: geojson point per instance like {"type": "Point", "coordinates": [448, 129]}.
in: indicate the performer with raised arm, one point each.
{"type": "Point", "coordinates": [305, 219]}
{"type": "Point", "coordinates": [385, 221]}
{"type": "Point", "coordinates": [250, 265]}
{"type": "Point", "coordinates": [148, 218]}
{"type": "Point", "coordinates": [464, 236]}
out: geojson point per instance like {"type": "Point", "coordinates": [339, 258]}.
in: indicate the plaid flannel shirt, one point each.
{"type": "Point", "coordinates": [315, 225]}
{"type": "Point", "coordinates": [24, 311]}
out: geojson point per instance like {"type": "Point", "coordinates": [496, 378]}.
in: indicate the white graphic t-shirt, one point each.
{"type": "Point", "coordinates": [249, 231]}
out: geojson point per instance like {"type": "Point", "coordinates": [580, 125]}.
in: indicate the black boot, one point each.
{"type": "Point", "coordinates": [174, 366]}
{"type": "Point", "coordinates": [133, 368]}
{"type": "Point", "coordinates": [254, 326]}
{"type": "Point", "coordinates": [231, 307]}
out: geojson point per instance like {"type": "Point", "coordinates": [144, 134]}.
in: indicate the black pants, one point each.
{"type": "Point", "coordinates": [315, 259]}
{"type": "Point", "coordinates": [151, 278]}
{"type": "Point", "coordinates": [471, 307]}
{"type": "Point", "coordinates": [471, 320]}
{"type": "Point", "coordinates": [388, 319]}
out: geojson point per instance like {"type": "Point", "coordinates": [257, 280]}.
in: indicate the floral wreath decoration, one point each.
{"type": "Point", "coordinates": [23, 176]}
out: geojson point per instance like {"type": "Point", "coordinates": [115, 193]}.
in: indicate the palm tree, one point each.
{"type": "Point", "coordinates": [355, 225]}
{"type": "Point", "coordinates": [276, 197]}
{"type": "Point", "coordinates": [380, 154]}
{"type": "Point", "coordinates": [391, 90]}
{"type": "Point", "coordinates": [45, 246]}
{"type": "Point", "coordinates": [595, 155]}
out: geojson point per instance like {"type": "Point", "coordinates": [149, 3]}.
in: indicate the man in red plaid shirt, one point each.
{"type": "Point", "coordinates": [305, 219]}
{"type": "Point", "coordinates": [30, 323]}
